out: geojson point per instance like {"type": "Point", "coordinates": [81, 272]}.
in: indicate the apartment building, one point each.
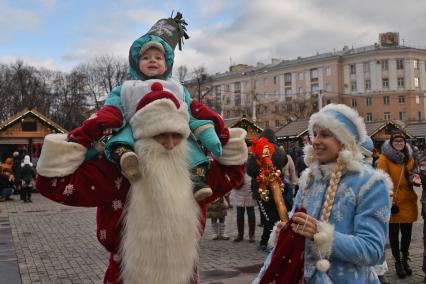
{"type": "Point", "coordinates": [383, 81]}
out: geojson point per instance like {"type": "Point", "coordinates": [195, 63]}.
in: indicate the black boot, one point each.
{"type": "Point", "coordinates": [399, 268]}
{"type": "Point", "coordinates": [252, 228]}
{"type": "Point", "coordinates": [407, 267]}
{"type": "Point", "coordinates": [240, 227]}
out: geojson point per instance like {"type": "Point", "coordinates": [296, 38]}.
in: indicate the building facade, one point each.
{"type": "Point", "coordinates": [384, 81]}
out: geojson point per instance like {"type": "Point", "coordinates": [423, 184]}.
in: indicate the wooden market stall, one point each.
{"type": "Point", "coordinates": [24, 132]}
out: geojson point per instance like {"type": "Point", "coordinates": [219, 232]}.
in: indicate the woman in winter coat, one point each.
{"type": "Point", "coordinates": [347, 208]}
{"type": "Point", "coordinates": [242, 199]}
{"type": "Point", "coordinates": [398, 162]}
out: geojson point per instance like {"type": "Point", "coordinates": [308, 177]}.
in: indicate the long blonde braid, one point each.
{"type": "Point", "coordinates": [332, 189]}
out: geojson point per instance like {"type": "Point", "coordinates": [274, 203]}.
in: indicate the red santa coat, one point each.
{"type": "Point", "coordinates": [70, 180]}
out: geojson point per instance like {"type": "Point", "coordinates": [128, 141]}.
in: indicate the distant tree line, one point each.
{"type": "Point", "coordinates": [67, 98]}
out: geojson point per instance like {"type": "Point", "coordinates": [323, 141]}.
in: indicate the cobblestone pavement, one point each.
{"type": "Point", "coordinates": [53, 243]}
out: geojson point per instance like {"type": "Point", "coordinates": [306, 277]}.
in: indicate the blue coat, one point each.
{"type": "Point", "coordinates": [359, 217]}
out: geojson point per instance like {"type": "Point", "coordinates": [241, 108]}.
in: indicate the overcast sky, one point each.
{"type": "Point", "coordinates": [60, 34]}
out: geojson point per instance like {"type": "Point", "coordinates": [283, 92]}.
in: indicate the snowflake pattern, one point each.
{"type": "Point", "coordinates": [118, 182]}
{"type": "Point", "coordinates": [116, 257]}
{"type": "Point", "coordinates": [92, 187]}
{"type": "Point", "coordinates": [69, 189]}
{"type": "Point", "coordinates": [117, 204]}
{"type": "Point", "coordinates": [383, 214]}
{"type": "Point", "coordinates": [163, 27]}
{"type": "Point", "coordinates": [102, 234]}
{"type": "Point", "coordinates": [54, 182]}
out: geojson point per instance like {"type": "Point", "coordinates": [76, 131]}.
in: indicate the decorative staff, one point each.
{"type": "Point", "coordinates": [269, 177]}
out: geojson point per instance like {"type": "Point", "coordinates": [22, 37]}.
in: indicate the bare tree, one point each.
{"type": "Point", "coordinates": [182, 72]}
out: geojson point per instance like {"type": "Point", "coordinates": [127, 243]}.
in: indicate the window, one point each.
{"type": "Point", "coordinates": [354, 104]}
{"type": "Point", "coordinates": [275, 80]}
{"type": "Point", "coordinates": [314, 88]}
{"type": "Point", "coordinates": [386, 100]}
{"type": "Point", "coordinates": [287, 91]}
{"type": "Point", "coordinates": [366, 67]}
{"type": "Point", "coordinates": [314, 73]}
{"type": "Point", "coordinates": [287, 77]}
{"type": "Point", "coordinates": [265, 109]}
{"type": "Point", "coordinates": [227, 101]}
{"type": "Point", "coordinates": [265, 82]}
{"type": "Point", "coordinates": [417, 99]}
{"type": "Point", "coordinates": [218, 90]}
{"type": "Point", "coordinates": [227, 88]}
{"type": "Point", "coordinates": [300, 76]}
{"type": "Point", "coordinates": [289, 107]}
{"type": "Point", "coordinates": [328, 71]}
{"type": "Point", "coordinates": [386, 115]}
{"type": "Point", "coordinates": [384, 65]}
{"type": "Point", "coordinates": [352, 68]}
{"type": "Point", "coordinates": [385, 83]}
{"type": "Point", "coordinates": [400, 64]}
{"type": "Point", "coordinates": [367, 85]}
{"type": "Point", "coordinates": [256, 84]}
{"type": "Point", "coordinates": [277, 123]}
{"type": "Point", "coordinates": [237, 100]}
{"type": "Point", "coordinates": [401, 99]}
{"type": "Point", "coordinates": [369, 116]}
{"type": "Point", "coordinates": [416, 63]}
{"type": "Point", "coordinates": [416, 82]}
{"type": "Point", "coordinates": [353, 86]}
{"type": "Point", "coordinates": [368, 101]}
{"type": "Point", "coordinates": [400, 82]}
{"type": "Point", "coordinates": [402, 115]}
{"type": "Point", "coordinates": [328, 87]}
{"type": "Point", "coordinates": [419, 115]}
{"type": "Point", "coordinates": [301, 90]}
{"type": "Point", "coordinates": [266, 124]}
{"type": "Point", "coordinates": [237, 87]}
{"type": "Point", "coordinates": [28, 125]}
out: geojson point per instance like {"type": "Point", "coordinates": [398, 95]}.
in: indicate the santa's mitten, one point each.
{"type": "Point", "coordinates": [92, 128]}
{"type": "Point", "coordinates": [209, 139]}
{"type": "Point", "coordinates": [201, 111]}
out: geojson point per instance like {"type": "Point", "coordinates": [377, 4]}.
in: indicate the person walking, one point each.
{"type": "Point", "coordinates": [27, 177]}
{"type": "Point", "coordinates": [397, 160]}
{"type": "Point", "coordinates": [242, 199]}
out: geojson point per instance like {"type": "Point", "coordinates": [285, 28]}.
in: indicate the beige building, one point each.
{"type": "Point", "coordinates": [383, 81]}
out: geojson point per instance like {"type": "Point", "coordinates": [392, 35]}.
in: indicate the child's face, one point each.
{"type": "Point", "coordinates": [152, 63]}
{"type": "Point", "coordinates": [326, 146]}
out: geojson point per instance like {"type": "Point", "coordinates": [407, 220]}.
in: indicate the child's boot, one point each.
{"type": "Point", "coordinates": [222, 235]}
{"type": "Point", "coordinates": [200, 187]}
{"type": "Point", "coordinates": [215, 236]}
{"type": "Point", "coordinates": [129, 163]}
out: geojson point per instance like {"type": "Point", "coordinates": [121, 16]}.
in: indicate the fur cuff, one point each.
{"type": "Point", "coordinates": [272, 242]}
{"type": "Point", "coordinates": [324, 238]}
{"type": "Point", "coordinates": [235, 152]}
{"type": "Point", "coordinates": [58, 157]}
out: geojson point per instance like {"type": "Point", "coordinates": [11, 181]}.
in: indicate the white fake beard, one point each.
{"type": "Point", "coordinates": [161, 231]}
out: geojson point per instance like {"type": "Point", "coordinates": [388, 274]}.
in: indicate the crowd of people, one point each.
{"type": "Point", "coordinates": [17, 176]}
{"type": "Point", "coordinates": [157, 164]}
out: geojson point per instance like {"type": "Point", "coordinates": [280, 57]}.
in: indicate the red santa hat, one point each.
{"type": "Point", "coordinates": [159, 112]}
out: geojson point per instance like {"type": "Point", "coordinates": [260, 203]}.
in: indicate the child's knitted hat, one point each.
{"type": "Point", "coordinates": [159, 112]}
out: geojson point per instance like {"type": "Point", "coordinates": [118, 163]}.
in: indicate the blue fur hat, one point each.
{"type": "Point", "coordinates": [344, 122]}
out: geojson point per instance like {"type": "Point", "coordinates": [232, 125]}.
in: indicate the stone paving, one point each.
{"type": "Point", "coordinates": [53, 243]}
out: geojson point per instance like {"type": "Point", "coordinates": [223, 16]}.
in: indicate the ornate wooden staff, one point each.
{"type": "Point", "coordinates": [269, 177]}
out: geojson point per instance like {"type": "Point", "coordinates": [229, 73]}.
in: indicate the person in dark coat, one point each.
{"type": "Point", "coordinates": [267, 209]}
{"type": "Point", "coordinates": [16, 171]}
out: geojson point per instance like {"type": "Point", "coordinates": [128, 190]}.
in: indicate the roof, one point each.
{"type": "Point", "coordinates": [293, 129]}
{"type": "Point", "coordinates": [416, 129]}
{"type": "Point", "coordinates": [34, 113]}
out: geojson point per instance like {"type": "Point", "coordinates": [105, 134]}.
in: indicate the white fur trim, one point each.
{"type": "Point", "coordinates": [272, 242]}
{"type": "Point", "coordinates": [378, 174]}
{"type": "Point", "coordinates": [235, 152]}
{"type": "Point", "coordinates": [58, 157]}
{"type": "Point", "coordinates": [324, 238]}
{"type": "Point", "coordinates": [323, 265]}
{"type": "Point", "coordinates": [160, 116]}
{"type": "Point", "coordinates": [134, 90]}
{"type": "Point", "coordinates": [324, 120]}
